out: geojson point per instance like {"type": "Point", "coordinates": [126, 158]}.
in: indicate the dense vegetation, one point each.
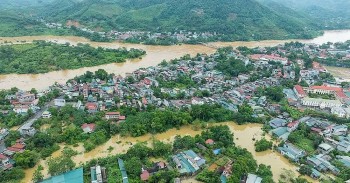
{"type": "Point", "coordinates": [41, 57]}
{"type": "Point", "coordinates": [329, 14]}
{"type": "Point", "coordinates": [233, 20]}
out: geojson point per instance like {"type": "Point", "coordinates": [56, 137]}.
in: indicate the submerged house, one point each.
{"type": "Point", "coordinates": [292, 152]}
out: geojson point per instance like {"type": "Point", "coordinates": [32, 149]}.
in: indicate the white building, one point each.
{"type": "Point", "coordinates": [46, 115]}
{"type": "Point", "coordinates": [321, 103]}
{"type": "Point", "coordinates": [338, 111]}
{"type": "Point", "coordinates": [21, 109]}
{"type": "Point", "coordinates": [60, 102]}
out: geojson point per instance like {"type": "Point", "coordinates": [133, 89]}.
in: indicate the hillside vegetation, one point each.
{"type": "Point", "coordinates": [330, 14]}
{"type": "Point", "coordinates": [41, 57]}
{"type": "Point", "coordinates": [236, 19]}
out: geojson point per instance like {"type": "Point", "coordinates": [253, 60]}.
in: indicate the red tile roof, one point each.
{"type": "Point", "coordinates": [341, 94]}
{"type": "Point", "coordinates": [19, 146]}
{"type": "Point", "coordinates": [325, 88]}
{"type": "Point", "coordinates": [92, 126]}
{"type": "Point", "coordinates": [300, 90]}
{"type": "Point", "coordinates": [14, 149]}
{"type": "Point", "coordinates": [145, 175]}
{"type": "Point", "coordinates": [209, 141]}
{"type": "Point", "coordinates": [122, 117]}
{"type": "Point", "coordinates": [3, 157]}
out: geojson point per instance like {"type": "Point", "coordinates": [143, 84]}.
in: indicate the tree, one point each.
{"type": "Point", "coordinates": [305, 170]}
{"type": "Point", "coordinates": [133, 166]}
{"type": "Point", "coordinates": [161, 149]}
{"type": "Point", "coordinates": [262, 145]}
{"type": "Point", "coordinates": [26, 159]}
{"type": "Point", "coordinates": [38, 176]}
{"type": "Point", "coordinates": [60, 165]}
{"type": "Point", "coordinates": [12, 137]}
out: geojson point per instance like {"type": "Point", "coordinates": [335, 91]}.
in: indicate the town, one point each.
{"type": "Point", "coordinates": [304, 109]}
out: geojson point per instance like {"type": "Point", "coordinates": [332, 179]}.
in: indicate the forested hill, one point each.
{"type": "Point", "coordinates": [237, 19]}
{"type": "Point", "coordinates": [330, 14]}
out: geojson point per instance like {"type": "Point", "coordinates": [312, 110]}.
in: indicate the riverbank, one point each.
{"type": "Point", "coordinates": [243, 137]}
{"type": "Point", "coordinates": [155, 55]}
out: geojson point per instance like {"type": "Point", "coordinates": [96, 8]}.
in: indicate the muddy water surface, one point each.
{"type": "Point", "coordinates": [155, 54]}
{"type": "Point", "coordinates": [243, 136]}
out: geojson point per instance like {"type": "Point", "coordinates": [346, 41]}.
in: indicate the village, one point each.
{"type": "Point", "coordinates": [160, 38]}
{"type": "Point", "coordinates": [303, 107]}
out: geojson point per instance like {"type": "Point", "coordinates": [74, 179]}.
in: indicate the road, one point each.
{"type": "Point", "coordinates": [37, 115]}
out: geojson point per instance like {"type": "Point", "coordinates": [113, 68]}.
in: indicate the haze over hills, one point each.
{"type": "Point", "coordinates": [236, 19]}
{"type": "Point", "coordinates": [330, 14]}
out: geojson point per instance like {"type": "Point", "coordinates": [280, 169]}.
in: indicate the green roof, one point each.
{"type": "Point", "coordinates": [74, 176]}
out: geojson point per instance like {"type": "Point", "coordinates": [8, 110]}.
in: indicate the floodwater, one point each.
{"type": "Point", "coordinates": [243, 135]}
{"type": "Point", "coordinates": [155, 54]}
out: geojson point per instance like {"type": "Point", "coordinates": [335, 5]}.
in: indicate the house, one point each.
{"type": "Point", "coordinates": [23, 98]}
{"type": "Point", "coordinates": [321, 164]}
{"type": "Point", "coordinates": [144, 175]}
{"type": "Point", "coordinates": [343, 146]}
{"type": "Point", "coordinates": [315, 174]}
{"type": "Point", "coordinates": [277, 122]}
{"type": "Point", "coordinates": [292, 126]}
{"type": "Point", "coordinates": [3, 133]}
{"type": "Point", "coordinates": [60, 102]}
{"type": "Point", "coordinates": [88, 128]}
{"type": "Point", "coordinates": [112, 115]}
{"type": "Point", "coordinates": [5, 163]}
{"type": "Point", "coordinates": [338, 111]}
{"type": "Point", "coordinates": [299, 91]}
{"type": "Point", "coordinates": [21, 109]}
{"type": "Point", "coordinates": [46, 115]}
{"type": "Point", "coordinates": [281, 133]}
{"type": "Point", "coordinates": [98, 174]}
{"type": "Point", "coordinates": [188, 162]}
{"type": "Point", "coordinates": [321, 103]}
{"type": "Point", "coordinates": [30, 131]}
{"type": "Point", "coordinates": [209, 141]}
{"type": "Point", "coordinates": [324, 148]}
{"type": "Point", "coordinates": [292, 152]}
{"type": "Point", "coordinates": [339, 130]}
{"type": "Point", "coordinates": [91, 107]}
{"type": "Point", "coordinates": [252, 178]}
{"type": "Point", "coordinates": [345, 160]}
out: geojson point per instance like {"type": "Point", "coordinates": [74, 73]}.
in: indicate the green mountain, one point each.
{"type": "Point", "coordinates": [236, 19]}
{"type": "Point", "coordinates": [330, 14]}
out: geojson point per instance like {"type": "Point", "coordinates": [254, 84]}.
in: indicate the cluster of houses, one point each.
{"type": "Point", "coordinates": [179, 36]}
{"type": "Point", "coordinates": [22, 102]}
{"type": "Point", "coordinates": [335, 138]}
{"type": "Point", "coordinates": [7, 154]}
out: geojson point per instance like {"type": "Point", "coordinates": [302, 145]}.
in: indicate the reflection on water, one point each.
{"type": "Point", "coordinates": [243, 136]}
{"type": "Point", "coordinates": [155, 54]}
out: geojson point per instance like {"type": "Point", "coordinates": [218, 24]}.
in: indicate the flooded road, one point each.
{"type": "Point", "coordinates": [155, 54]}
{"type": "Point", "coordinates": [243, 135]}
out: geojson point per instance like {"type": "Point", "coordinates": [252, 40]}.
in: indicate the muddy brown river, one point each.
{"type": "Point", "coordinates": [155, 54]}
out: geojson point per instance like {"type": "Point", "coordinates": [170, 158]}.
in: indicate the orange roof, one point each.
{"type": "Point", "coordinates": [112, 113]}
{"type": "Point", "coordinates": [326, 88]}
{"type": "Point", "coordinates": [18, 146]}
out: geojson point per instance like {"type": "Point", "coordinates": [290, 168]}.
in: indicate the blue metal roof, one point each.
{"type": "Point", "coordinates": [74, 176]}
{"type": "Point", "coordinates": [123, 171]}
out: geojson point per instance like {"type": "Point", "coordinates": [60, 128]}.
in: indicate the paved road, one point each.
{"type": "Point", "coordinates": [37, 115]}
